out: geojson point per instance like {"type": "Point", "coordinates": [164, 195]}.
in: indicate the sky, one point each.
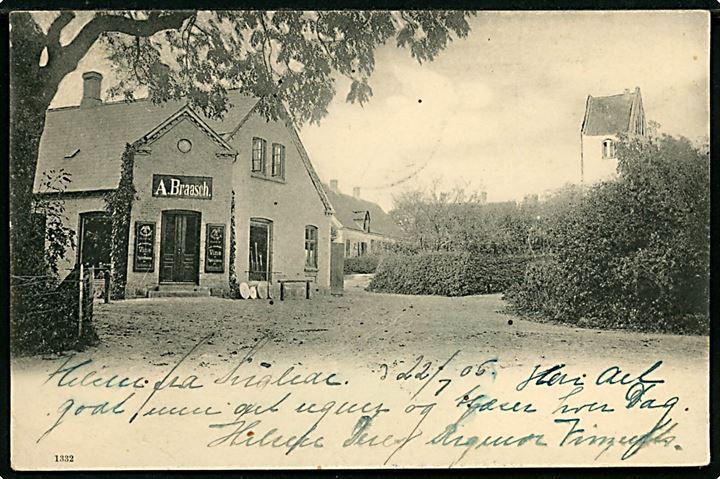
{"type": "Point", "coordinates": [500, 111]}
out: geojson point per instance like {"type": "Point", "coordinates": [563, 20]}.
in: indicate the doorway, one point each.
{"type": "Point", "coordinates": [95, 241]}
{"type": "Point", "coordinates": [260, 249]}
{"type": "Point", "coordinates": [180, 247]}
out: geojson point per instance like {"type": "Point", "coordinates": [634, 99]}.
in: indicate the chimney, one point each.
{"type": "Point", "coordinates": [356, 192]}
{"type": "Point", "coordinates": [626, 92]}
{"type": "Point", "coordinates": [92, 83]}
{"type": "Point", "coordinates": [334, 186]}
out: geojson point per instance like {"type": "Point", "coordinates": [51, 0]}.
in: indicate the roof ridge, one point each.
{"type": "Point", "coordinates": [629, 93]}
{"type": "Point", "coordinates": [135, 100]}
{"type": "Point", "coordinates": [105, 103]}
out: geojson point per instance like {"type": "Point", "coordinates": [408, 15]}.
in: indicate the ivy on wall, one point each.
{"type": "Point", "coordinates": [234, 286]}
{"type": "Point", "coordinates": [118, 205]}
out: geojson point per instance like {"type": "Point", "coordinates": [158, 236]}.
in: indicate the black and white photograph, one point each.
{"type": "Point", "coordinates": [346, 239]}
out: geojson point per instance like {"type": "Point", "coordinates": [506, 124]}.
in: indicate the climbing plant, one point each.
{"type": "Point", "coordinates": [118, 205]}
{"type": "Point", "coordinates": [233, 281]}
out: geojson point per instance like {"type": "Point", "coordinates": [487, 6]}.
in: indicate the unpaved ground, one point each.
{"type": "Point", "coordinates": [364, 327]}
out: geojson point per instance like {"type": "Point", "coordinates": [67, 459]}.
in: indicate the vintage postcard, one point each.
{"type": "Point", "coordinates": [359, 239]}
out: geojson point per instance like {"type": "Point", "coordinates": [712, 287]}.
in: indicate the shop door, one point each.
{"type": "Point", "coordinates": [180, 247]}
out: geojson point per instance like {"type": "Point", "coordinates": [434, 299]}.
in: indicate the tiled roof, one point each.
{"type": "Point", "coordinates": [346, 212]}
{"type": "Point", "coordinates": [609, 115]}
{"type": "Point", "coordinates": [319, 187]}
{"type": "Point", "coordinates": [95, 137]}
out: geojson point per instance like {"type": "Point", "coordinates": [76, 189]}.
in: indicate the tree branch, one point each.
{"type": "Point", "coordinates": [69, 56]}
{"type": "Point", "coordinates": [266, 38]}
{"type": "Point", "coordinates": [56, 28]}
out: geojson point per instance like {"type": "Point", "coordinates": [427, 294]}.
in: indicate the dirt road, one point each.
{"type": "Point", "coordinates": [363, 326]}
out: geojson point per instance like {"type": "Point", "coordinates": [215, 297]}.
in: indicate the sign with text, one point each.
{"type": "Point", "coordinates": [144, 247]}
{"type": "Point", "coordinates": [215, 248]}
{"type": "Point", "coordinates": [179, 186]}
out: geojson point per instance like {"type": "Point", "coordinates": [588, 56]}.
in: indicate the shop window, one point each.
{"type": "Point", "coordinates": [311, 240]}
{"type": "Point", "coordinates": [258, 155]}
{"type": "Point", "coordinates": [95, 240]}
{"type": "Point", "coordinates": [278, 161]}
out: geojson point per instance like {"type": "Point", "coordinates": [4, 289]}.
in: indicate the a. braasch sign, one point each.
{"type": "Point", "coordinates": [179, 186]}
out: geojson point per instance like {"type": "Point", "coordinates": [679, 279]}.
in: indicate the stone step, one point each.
{"type": "Point", "coordinates": [180, 293]}
{"type": "Point", "coordinates": [179, 287]}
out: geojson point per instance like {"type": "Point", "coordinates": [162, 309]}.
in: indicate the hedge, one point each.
{"type": "Point", "coordinates": [447, 273]}
{"type": "Point", "coordinates": [361, 264]}
{"type": "Point", "coordinates": [550, 291]}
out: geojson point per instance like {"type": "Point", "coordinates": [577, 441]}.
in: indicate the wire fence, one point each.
{"type": "Point", "coordinates": [52, 315]}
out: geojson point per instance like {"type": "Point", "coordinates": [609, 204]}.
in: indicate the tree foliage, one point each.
{"type": "Point", "coordinates": [461, 221]}
{"type": "Point", "coordinates": [633, 252]}
{"type": "Point", "coordinates": [291, 56]}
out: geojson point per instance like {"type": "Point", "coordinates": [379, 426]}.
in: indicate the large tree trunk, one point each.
{"type": "Point", "coordinates": [30, 98]}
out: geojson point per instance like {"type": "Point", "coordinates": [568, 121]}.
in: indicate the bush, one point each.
{"type": "Point", "coordinates": [542, 291]}
{"type": "Point", "coordinates": [46, 320]}
{"type": "Point", "coordinates": [634, 253]}
{"type": "Point", "coordinates": [447, 273]}
{"type": "Point", "coordinates": [361, 264]}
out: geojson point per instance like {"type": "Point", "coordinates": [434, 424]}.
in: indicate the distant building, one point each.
{"type": "Point", "coordinates": [361, 225]}
{"type": "Point", "coordinates": [605, 118]}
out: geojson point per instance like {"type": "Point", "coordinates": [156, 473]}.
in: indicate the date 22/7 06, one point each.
{"type": "Point", "coordinates": [64, 458]}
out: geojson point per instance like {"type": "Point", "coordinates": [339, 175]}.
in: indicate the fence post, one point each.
{"type": "Point", "coordinates": [106, 277]}
{"type": "Point", "coordinates": [80, 302]}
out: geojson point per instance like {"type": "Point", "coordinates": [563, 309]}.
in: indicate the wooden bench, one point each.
{"type": "Point", "coordinates": [282, 286]}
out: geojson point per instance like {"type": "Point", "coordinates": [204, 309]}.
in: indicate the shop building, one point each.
{"type": "Point", "coordinates": [194, 202]}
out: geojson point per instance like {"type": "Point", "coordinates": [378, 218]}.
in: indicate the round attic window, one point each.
{"type": "Point", "coordinates": [184, 145]}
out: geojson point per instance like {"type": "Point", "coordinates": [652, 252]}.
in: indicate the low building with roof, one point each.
{"type": "Point", "coordinates": [362, 226]}
{"type": "Point", "coordinates": [605, 118]}
{"type": "Point", "coordinates": [211, 200]}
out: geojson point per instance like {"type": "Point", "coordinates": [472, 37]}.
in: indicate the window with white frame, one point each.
{"type": "Point", "coordinates": [278, 161]}
{"type": "Point", "coordinates": [311, 244]}
{"type": "Point", "coordinates": [258, 155]}
{"type": "Point", "coordinates": [608, 148]}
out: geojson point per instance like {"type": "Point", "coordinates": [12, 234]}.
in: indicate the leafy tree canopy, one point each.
{"type": "Point", "coordinates": [292, 56]}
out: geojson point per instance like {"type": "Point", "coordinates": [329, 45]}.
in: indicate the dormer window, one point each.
{"type": "Point", "coordinates": [362, 220]}
{"type": "Point", "coordinates": [258, 155]}
{"type": "Point", "coordinates": [608, 148]}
